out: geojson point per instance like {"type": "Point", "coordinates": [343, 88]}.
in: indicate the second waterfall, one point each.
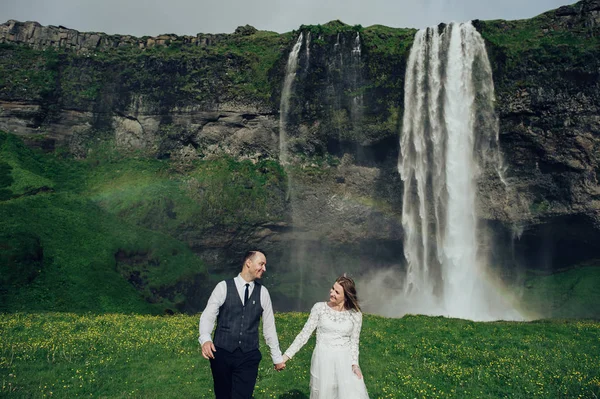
{"type": "Point", "coordinates": [449, 135]}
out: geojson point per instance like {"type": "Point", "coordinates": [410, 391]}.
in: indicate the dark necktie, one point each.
{"type": "Point", "coordinates": [246, 294]}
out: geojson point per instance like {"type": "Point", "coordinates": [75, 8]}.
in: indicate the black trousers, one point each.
{"type": "Point", "coordinates": [234, 373]}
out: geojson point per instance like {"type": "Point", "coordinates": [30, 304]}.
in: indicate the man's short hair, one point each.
{"type": "Point", "coordinates": [250, 254]}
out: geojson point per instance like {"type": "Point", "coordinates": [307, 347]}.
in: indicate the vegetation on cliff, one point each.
{"type": "Point", "coordinates": [237, 68]}
{"type": "Point", "coordinates": [101, 234]}
{"type": "Point", "coordinates": [558, 43]}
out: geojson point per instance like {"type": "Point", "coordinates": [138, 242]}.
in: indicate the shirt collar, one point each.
{"type": "Point", "coordinates": [239, 280]}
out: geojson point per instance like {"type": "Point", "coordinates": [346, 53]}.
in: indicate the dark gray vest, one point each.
{"type": "Point", "coordinates": [237, 325]}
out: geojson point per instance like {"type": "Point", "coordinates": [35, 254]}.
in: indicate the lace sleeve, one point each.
{"type": "Point", "coordinates": [306, 332]}
{"type": "Point", "coordinates": [354, 338]}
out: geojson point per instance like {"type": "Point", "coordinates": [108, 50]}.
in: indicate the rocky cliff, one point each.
{"type": "Point", "coordinates": [207, 97]}
{"type": "Point", "coordinates": [548, 100]}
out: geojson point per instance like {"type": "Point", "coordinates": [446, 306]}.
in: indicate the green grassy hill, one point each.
{"type": "Point", "coordinates": [64, 355]}
{"type": "Point", "coordinates": [59, 246]}
{"type": "Point", "coordinates": [567, 294]}
{"type": "Point", "coordinates": [103, 234]}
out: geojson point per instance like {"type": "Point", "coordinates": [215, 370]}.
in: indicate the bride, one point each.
{"type": "Point", "coordinates": [334, 369]}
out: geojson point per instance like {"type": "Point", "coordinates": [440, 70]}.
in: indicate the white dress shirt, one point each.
{"type": "Point", "coordinates": [217, 299]}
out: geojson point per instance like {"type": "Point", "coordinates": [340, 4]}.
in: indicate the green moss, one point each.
{"type": "Point", "coordinates": [571, 293]}
{"type": "Point", "coordinates": [26, 174]}
{"type": "Point", "coordinates": [390, 41]}
{"type": "Point", "coordinates": [387, 51]}
{"type": "Point", "coordinates": [329, 29]}
{"type": "Point", "coordinates": [124, 209]}
{"type": "Point", "coordinates": [77, 242]}
{"type": "Point", "coordinates": [260, 52]}
{"type": "Point", "coordinates": [154, 194]}
{"type": "Point", "coordinates": [82, 81]}
{"type": "Point", "coordinates": [539, 207]}
{"type": "Point", "coordinates": [543, 30]}
{"type": "Point", "coordinates": [27, 74]}
{"type": "Point", "coordinates": [64, 245]}
{"type": "Point", "coordinates": [232, 192]}
{"type": "Point", "coordinates": [234, 66]}
{"type": "Point", "coordinates": [6, 180]}
{"type": "Point", "coordinates": [21, 259]}
{"type": "Point", "coordinates": [538, 44]}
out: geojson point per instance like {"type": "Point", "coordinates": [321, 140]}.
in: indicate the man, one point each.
{"type": "Point", "coordinates": [237, 306]}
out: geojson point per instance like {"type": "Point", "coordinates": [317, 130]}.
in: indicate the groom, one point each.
{"type": "Point", "coordinates": [237, 305]}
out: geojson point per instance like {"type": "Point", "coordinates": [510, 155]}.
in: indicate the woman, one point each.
{"type": "Point", "coordinates": [334, 369]}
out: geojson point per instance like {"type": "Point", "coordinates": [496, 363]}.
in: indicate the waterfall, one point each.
{"type": "Point", "coordinates": [284, 105]}
{"type": "Point", "coordinates": [337, 51]}
{"type": "Point", "coordinates": [449, 136]}
{"type": "Point", "coordinates": [297, 250]}
{"type": "Point", "coordinates": [357, 99]}
{"type": "Point", "coordinates": [307, 51]}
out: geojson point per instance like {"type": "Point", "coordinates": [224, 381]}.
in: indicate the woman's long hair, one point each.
{"type": "Point", "coordinates": [350, 297]}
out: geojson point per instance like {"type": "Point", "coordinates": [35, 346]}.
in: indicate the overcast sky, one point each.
{"type": "Point", "coordinates": [188, 17]}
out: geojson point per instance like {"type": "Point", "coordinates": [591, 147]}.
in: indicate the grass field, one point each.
{"type": "Point", "coordinates": [63, 355]}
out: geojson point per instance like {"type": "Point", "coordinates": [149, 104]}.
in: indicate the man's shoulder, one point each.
{"type": "Point", "coordinates": [264, 292]}
{"type": "Point", "coordinates": [262, 287]}
{"type": "Point", "coordinates": [221, 285]}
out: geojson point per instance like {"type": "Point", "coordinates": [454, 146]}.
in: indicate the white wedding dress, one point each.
{"type": "Point", "coordinates": [331, 375]}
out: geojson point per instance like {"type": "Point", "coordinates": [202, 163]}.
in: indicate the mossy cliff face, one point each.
{"type": "Point", "coordinates": [547, 78]}
{"type": "Point", "coordinates": [209, 104]}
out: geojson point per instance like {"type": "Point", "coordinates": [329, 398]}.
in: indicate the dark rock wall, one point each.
{"type": "Point", "coordinates": [548, 100]}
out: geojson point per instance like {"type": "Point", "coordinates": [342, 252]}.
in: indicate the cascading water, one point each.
{"type": "Point", "coordinates": [449, 135]}
{"type": "Point", "coordinates": [306, 256]}
{"type": "Point", "coordinates": [335, 65]}
{"type": "Point", "coordinates": [357, 99]}
{"type": "Point", "coordinates": [307, 52]}
{"type": "Point", "coordinates": [284, 105]}
{"type": "Point", "coordinates": [297, 250]}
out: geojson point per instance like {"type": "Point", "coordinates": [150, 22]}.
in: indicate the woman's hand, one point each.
{"type": "Point", "coordinates": [281, 365]}
{"type": "Point", "coordinates": [356, 370]}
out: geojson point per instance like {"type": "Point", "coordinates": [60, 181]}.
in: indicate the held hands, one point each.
{"type": "Point", "coordinates": [281, 366]}
{"type": "Point", "coordinates": [208, 350]}
{"type": "Point", "coordinates": [356, 370]}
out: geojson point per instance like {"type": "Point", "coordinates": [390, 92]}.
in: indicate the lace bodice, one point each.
{"type": "Point", "coordinates": [335, 330]}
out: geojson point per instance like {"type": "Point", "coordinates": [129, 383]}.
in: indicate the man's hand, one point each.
{"type": "Point", "coordinates": [207, 350]}
{"type": "Point", "coordinates": [280, 366]}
